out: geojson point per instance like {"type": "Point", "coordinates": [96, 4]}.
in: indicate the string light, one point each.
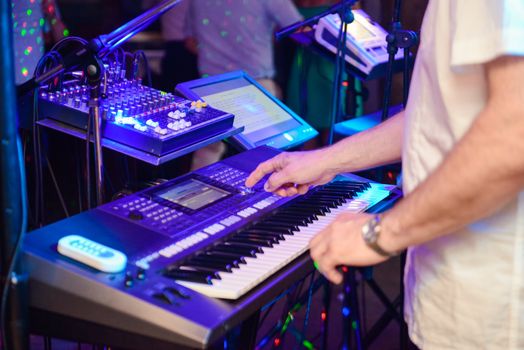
{"type": "Point", "coordinates": [28, 24]}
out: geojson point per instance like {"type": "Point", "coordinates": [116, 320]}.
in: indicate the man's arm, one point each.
{"type": "Point", "coordinates": [482, 173]}
{"type": "Point", "coordinates": [293, 173]}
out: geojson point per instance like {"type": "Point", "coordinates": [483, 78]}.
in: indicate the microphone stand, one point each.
{"type": "Point", "coordinates": [289, 30]}
{"type": "Point", "coordinates": [398, 39]}
{"type": "Point", "coordinates": [343, 9]}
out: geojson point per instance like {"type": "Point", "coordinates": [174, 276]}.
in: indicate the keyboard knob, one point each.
{"type": "Point", "coordinates": [129, 280]}
{"type": "Point", "coordinates": [244, 191]}
{"type": "Point", "coordinates": [141, 274]}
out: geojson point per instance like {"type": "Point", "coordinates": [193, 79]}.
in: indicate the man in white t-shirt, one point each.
{"type": "Point", "coordinates": [461, 140]}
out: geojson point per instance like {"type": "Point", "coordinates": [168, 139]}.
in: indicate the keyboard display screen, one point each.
{"type": "Point", "coordinates": [193, 194]}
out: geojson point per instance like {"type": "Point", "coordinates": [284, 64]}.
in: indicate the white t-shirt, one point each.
{"type": "Point", "coordinates": [464, 290]}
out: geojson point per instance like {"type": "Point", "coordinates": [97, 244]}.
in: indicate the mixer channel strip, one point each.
{"type": "Point", "coordinates": [230, 268]}
{"type": "Point", "coordinates": [138, 116]}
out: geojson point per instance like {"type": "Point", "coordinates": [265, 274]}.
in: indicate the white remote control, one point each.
{"type": "Point", "coordinates": [91, 253]}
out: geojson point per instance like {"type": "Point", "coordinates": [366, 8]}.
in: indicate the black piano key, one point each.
{"type": "Point", "coordinates": [280, 236]}
{"type": "Point", "coordinates": [338, 200]}
{"type": "Point", "coordinates": [306, 207]}
{"type": "Point", "coordinates": [271, 238]}
{"type": "Point", "coordinates": [348, 185]}
{"type": "Point", "coordinates": [291, 211]}
{"type": "Point", "coordinates": [277, 230]}
{"type": "Point", "coordinates": [236, 256]}
{"type": "Point", "coordinates": [191, 276]}
{"type": "Point", "coordinates": [208, 266]}
{"type": "Point", "coordinates": [320, 210]}
{"type": "Point", "coordinates": [219, 261]}
{"type": "Point", "coordinates": [284, 221]}
{"type": "Point", "coordinates": [281, 217]}
{"type": "Point", "coordinates": [246, 250]}
{"type": "Point", "coordinates": [286, 229]}
{"type": "Point", "coordinates": [248, 240]}
{"type": "Point", "coordinates": [324, 202]}
{"type": "Point", "coordinates": [299, 212]}
{"type": "Point", "coordinates": [348, 194]}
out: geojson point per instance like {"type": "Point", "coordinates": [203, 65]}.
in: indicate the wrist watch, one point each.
{"type": "Point", "coordinates": [371, 233]}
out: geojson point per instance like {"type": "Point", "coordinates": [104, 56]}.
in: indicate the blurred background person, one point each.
{"type": "Point", "coordinates": [233, 35]}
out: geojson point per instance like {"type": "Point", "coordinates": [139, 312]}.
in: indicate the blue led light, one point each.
{"type": "Point", "coordinates": [346, 311]}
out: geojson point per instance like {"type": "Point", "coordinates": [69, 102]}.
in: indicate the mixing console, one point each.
{"type": "Point", "coordinates": [137, 115]}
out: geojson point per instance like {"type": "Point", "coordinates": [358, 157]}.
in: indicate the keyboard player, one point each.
{"type": "Point", "coordinates": [460, 140]}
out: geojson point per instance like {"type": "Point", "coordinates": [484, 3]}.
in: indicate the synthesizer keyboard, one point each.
{"type": "Point", "coordinates": [136, 115]}
{"type": "Point", "coordinates": [189, 241]}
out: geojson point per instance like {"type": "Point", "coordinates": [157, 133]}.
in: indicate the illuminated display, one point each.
{"type": "Point", "coordinates": [359, 32]}
{"type": "Point", "coordinates": [193, 194]}
{"type": "Point", "coordinates": [255, 111]}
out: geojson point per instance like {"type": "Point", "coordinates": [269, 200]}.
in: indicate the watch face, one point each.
{"type": "Point", "coordinates": [368, 233]}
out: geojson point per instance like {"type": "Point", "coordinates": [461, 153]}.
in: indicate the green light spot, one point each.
{"type": "Point", "coordinates": [308, 345]}
{"type": "Point", "coordinates": [27, 52]}
{"type": "Point", "coordinates": [15, 25]}
{"type": "Point", "coordinates": [29, 12]}
{"type": "Point", "coordinates": [53, 21]}
{"type": "Point", "coordinates": [223, 33]}
{"type": "Point", "coordinates": [39, 40]}
{"type": "Point", "coordinates": [23, 32]}
{"type": "Point", "coordinates": [66, 32]}
{"type": "Point", "coordinates": [42, 22]}
{"type": "Point", "coordinates": [315, 264]}
{"type": "Point", "coordinates": [32, 31]}
{"type": "Point", "coordinates": [25, 72]}
{"type": "Point", "coordinates": [354, 325]}
{"type": "Point", "coordinates": [205, 21]}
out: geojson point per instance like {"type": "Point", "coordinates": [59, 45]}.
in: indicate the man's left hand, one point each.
{"type": "Point", "coordinates": [341, 243]}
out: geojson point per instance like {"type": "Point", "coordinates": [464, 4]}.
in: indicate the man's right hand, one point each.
{"type": "Point", "coordinates": [293, 173]}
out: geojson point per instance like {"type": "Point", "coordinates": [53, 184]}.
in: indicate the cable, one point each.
{"type": "Point", "coordinates": [136, 65]}
{"type": "Point", "coordinates": [48, 61]}
{"type": "Point", "coordinates": [308, 309]}
{"type": "Point", "coordinates": [88, 161]}
{"type": "Point", "coordinates": [60, 44]}
{"type": "Point", "coordinates": [12, 260]}
{"type": "Point", "coordinates": [57, 188]}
